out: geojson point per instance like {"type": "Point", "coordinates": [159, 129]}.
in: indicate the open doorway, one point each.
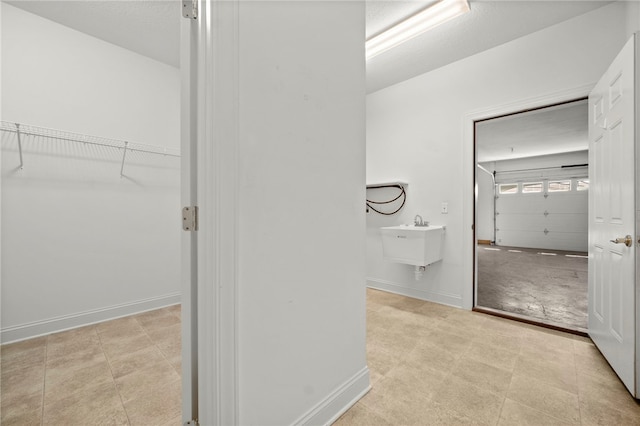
{"type": "Point", "coordinates": [532, 184]}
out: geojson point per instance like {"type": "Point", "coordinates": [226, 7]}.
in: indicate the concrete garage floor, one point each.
{"type": "Point", "coordinates": [549, 287]}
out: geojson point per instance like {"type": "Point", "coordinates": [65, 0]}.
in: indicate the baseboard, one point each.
{"type": "Point", "coordinates": [442, 298]}
{"type": "Point", "coordinates": [338, 401]}
{"type": "Point", "coordinates": [66, 322]}
{"type": "Point", "coordinates": [484, 242]}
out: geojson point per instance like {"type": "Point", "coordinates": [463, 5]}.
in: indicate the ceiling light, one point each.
{"type": "Point", "coordinates": [417, 24]}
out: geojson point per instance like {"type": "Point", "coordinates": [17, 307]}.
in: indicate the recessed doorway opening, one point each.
{"type": "Point", "coordinates": [531, 204]}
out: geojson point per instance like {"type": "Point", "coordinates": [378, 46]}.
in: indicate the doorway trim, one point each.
{"type": "Point", "coordinates": [470, 171]}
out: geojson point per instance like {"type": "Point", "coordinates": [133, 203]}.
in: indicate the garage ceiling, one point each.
{"type": "Point", "coordinates": [553, 130]}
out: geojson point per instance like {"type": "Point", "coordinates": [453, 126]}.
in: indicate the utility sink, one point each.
{"type": "Point", "coordinates": [412, 245]}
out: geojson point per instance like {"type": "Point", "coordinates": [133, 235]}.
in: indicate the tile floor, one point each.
{"type": "Point", "coordinates": [431, 364]}
{"type": "Point", "coordinates": [120, 372]}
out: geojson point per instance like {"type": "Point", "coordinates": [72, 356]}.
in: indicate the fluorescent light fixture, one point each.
{"type": "Point", "coordinates": [417, 24]}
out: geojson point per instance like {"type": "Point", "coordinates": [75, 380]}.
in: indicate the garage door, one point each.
{"type": "Point", "coordinates": [545, 214]}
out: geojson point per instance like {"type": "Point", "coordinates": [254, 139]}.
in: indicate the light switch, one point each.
{"type": "Point", "coordinates": [444, 209]}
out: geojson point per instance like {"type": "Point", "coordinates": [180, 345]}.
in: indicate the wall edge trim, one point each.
{"type": "Point", "coordinates": [338, 401]}
{"type": "Point", "coordinates": [66, 322]}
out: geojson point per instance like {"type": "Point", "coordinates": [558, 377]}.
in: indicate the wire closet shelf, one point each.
{"type": "Point", "coordinates": [22, 130]}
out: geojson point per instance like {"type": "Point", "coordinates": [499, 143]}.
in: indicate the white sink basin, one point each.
{"type": "Point", "coordinates": [412, 245]}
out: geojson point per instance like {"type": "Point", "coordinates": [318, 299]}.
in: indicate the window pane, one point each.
{"type": "Point", "coordinates": [559, 185]}
{"type": "Point", "coordinates": [509, 188]}
{"type": "Point", "coordinates": [532, 187]}
{"type": "Point", "coordinates": [583, 184]}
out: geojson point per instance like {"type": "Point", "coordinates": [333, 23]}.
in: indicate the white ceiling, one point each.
{"type": "Point", "coordinates": [553, 130]}
{"type": "Point", "coordinates": [148, 27]}
{"type": "Point", "coordinates": [488, 24]}
{"type": "Point", "coordinates": [151, 28]}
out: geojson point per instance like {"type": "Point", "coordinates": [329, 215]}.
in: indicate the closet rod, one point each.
{"type": "Point", "coordinates": [27, 130]}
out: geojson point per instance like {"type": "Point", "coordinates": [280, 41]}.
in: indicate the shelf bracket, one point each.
{"type": "Point", "coordinates": [124, 155]}
{"type": "Point", "coordinates": [19, 145]}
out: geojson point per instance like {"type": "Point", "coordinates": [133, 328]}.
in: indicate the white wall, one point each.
{"type": "Point", "coordinates": [79, 243]}
{"type": "Point", "coordinates": [415, 131]}
{"type": "Point", "coordinates": [301, 296]}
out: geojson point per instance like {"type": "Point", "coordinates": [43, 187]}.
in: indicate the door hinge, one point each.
{"type": "Point", "coordinates": [190, 218]}
{"type": "Point", "coordinates": [191, 423]}
{"type": "Point", "coordinates": [190, 9]}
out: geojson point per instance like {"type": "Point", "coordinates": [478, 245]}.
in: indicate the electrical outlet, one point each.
{"type": "Point", "coordinates": [444, 209]}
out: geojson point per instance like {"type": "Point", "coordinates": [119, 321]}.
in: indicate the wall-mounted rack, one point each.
{"type": "Point", "coordinates": [24, 130]}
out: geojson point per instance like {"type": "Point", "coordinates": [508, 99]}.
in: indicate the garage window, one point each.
{"type": "Point", "coordinates": [531, 187]}
{"type": "Point", "coordinates": [559, 186]}
{"type": "Point", "coordinates": [508, 188]}
{"type": "Point", "coordinates": [582, 184]}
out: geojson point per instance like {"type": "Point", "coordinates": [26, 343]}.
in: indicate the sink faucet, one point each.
{"type": "Point", "coordinates": [417, 221]}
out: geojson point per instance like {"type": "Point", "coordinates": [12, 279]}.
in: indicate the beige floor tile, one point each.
{"type": "Point", "coordinates": [29, 359]}
{"type": "Point", "coordinates": [381, 361]}
{"type": "Point", "coordinates": [595, 413]}
{"type": "Point", "coordinates": [18, 348]}
{"type": "Point", "coordinates": [548, 353]}
{"type": "Point", "coordinates": [161, 322]}
{"type": "Point", "coordinates": [396, 402]}
{"type": "Point", "coordinates": [359, 415]}
{"type": "Point", "coordinates": [119, 329]}
{"type": "Point", "coordinates": [22, 383]}
{"type": "Point", "coordinates": [551, 340]}
{"type": "Point", "coordinates": [594, 365]}
{"type": "Point", "coordinates": [433, 355]}
{"type": "Point", "coordinates": [437, 414]}
{"type": "Point", "coordinates": [452, 339]}
{"type": "Point", "coordinates": [609, 391]}
{"type": "Point", "coordinates": [156, 408]}
{"type": "Point", "coordinates": [173, 331]}
{"type": "Point", "coordinates": [177, 421]}
{"type": "Point", "coordinates": [30, 418]}
{"type": "Point", "coordinates": [499, 340]}
{"type": "Point", "coordinates": [561, 374]}
{"type": "Point", "coordinates": [72, 341]}
{"type": "Point", "coordinates": [25, 354]}
{"type": "Point", "coordinates": [467, 320]}
{"type": "Point", "coordinates": [170, 346]}
{"type": "Point", "coordinates": [585, 348]}
{"type": "Point", "coordinates": [22, 411]}
{"type": "Point", "coordinates": [514, 413]}
{"type": "Point", "coordinates": [464, 398]}
{"type": "Point", "coordinates": [61, 383]}
{"type": "Point", "coordinates": [541, 396]}
{"type": "Point", "coordinates": [425, 381]}
{"type": "Point", "coordinates": [492, 355]}
{"type": "Point", "coordinates": [146, 381]}
{"type": "Point", "coordinates": [157, 319]}
{"type": "Point", "coordinates": [75, 360]}
{"type": "Point", "coordinates": [391, 340]}
{"type": "Point", "coordinates": [481, 375]}
{"type": "Point", "coordinates": [176, 363]}
{"type": "Point", "coordinates": [175, 310]}
{"type": "Point", "coordinates": [96, 405]}
{"type": "Point", "coordinates": [119, 347]}
{"type": "Point", "coordinates": [128, 363]}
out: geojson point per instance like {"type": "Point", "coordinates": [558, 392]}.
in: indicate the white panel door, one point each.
{"type": "Point", "coordinates": [611, 216]}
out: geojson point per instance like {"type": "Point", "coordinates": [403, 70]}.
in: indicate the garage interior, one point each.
{"type": "Point", "coordinates": [531, 215]}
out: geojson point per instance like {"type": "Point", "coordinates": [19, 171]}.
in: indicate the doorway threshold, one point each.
{"type": "Point", "coordinates": [533, 321]}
